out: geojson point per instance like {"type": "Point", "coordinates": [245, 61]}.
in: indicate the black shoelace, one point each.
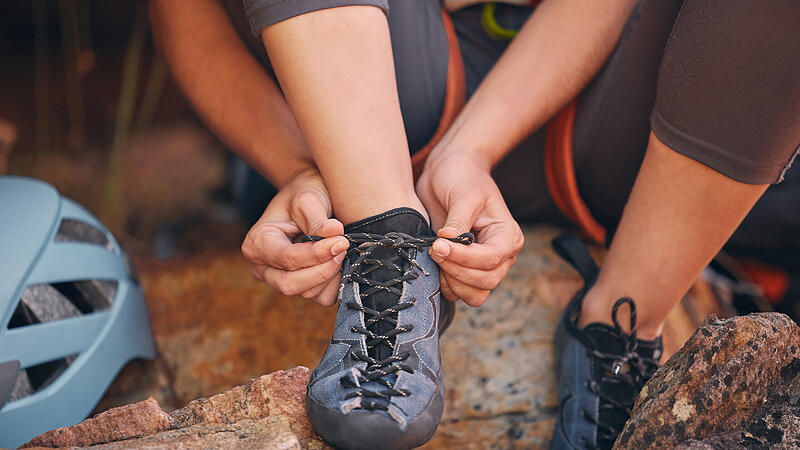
{"type": "Point", "coordinates": [364, 245]}
{"type": "Point", "coordinates": [629, 370]}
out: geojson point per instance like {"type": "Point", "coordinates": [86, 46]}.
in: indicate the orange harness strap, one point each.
{"type": "Point", "coordinates": [560, 174]}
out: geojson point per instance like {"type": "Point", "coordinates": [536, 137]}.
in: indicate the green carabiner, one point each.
{"type": "Point", "coordinates": [493, 28]}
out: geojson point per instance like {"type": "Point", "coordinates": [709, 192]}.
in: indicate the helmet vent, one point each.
{"type": "Point", "coordinates": [35, 378]}
{"type": "Point", "coordinates": [71, 230]}
{"type": "Point", "coordinates": [49, 302]}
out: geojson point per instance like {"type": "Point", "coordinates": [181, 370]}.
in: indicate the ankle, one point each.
{"type": "Point", "coordinates": [596, 308]}
{"type": "Point", "coordinates": [598, 305]}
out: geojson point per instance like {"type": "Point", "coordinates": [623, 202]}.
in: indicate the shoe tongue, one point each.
{"type": "Point", "coordinates": [606, 339]}
{"type": "Point", "coordinates": [403, 220]}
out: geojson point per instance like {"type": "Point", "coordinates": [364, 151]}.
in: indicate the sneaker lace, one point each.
{"type": "Point", "coordinates": [362, 249]}
{"type": "Point", "coordinates": [628, 369]}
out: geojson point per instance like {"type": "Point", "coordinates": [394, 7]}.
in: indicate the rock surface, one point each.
{"type": "Point", "coordinates": [216, 327]}
{"type": "Point", "coordinates": [735, 384]}
{"type": "Point", "coordinates": [265, 412]}
{"type": "Point", "coordinates": [125, 422]}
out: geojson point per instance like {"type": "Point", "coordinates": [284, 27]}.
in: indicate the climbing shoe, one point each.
{"type": "Point", "coordinates": [380, 382]}
{"type": "Point", "coordinates": [601, 369]}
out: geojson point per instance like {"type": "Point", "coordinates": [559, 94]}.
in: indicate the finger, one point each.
{"type": "Point", "coordinates": [329, 228]}
{"type": "Point", "coordinates": [298, 281]}
{"type": "Point", "coordinates": [461, 215]}
{"type": "Point", "coordinates": [481, 279]}
{"type": "Point", "coordinates": [310, 210]}
{"type": "Point", "coordinates": [470, 295]}
{"type": "Point", "coordinates": [497, 243]}
{"type": "Point", "coordinates": [328, 292]}
{"type": "Point", "coordinates": [446, 291]}
{"type": "Point", "coordinates": [279, 253]}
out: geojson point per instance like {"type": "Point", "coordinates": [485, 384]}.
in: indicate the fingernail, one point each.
{"type": "Point", "coordinates": [339, 247]}
{"type": "Point", "coordinates": [339, 258]}
{"type": "Point", "coordinates": [441, 249]}
{"type": "Point", "coordinates": [435, 257]}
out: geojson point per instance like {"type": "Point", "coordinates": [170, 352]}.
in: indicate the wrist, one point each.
{"type": "Point", "coordinates": [302, 170]}
{"type": "Point", "coordinates": [450, 150]}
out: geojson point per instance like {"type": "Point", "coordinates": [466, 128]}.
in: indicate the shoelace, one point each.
{"type": "Point", "coordinates": [637, 370]}
{"type": "Point", "coordinates": [365, 244]}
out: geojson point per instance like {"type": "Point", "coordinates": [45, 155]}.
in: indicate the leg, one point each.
{"type": "Point", "coordinates": [724, 128]}
{"type": "Point", "coordinates": [347, 106]}
{"type": "Point", "coordinates": [379, 384]}
{"type": "Point", "coordinates": [681, 212]}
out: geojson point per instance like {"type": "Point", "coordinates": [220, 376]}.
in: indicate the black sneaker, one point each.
{"type": "Point", "coordinates": [601, 369]}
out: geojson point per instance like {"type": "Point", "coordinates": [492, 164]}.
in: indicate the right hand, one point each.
{"type": "Point", "coordinates": [308, 269]}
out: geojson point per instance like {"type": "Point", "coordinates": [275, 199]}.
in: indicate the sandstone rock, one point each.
{"type": "Point", "coordinates": [734, 384]}
{"type": "Point", "coordinates": [281, 394]}
{"type": "Point", "coordinates": [266, 412]}
{"type": "Point", "coordinates": [273, 433]}
{"type": "Point", "coordinates": [138, 419]}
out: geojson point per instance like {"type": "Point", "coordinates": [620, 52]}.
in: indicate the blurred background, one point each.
{"type": "Point", "coordinates": [87, 105]}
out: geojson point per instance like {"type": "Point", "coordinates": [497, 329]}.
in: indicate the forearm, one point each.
{"type": "Point", "coordinates": [555, 54]}
{"type": "Point", "coordinates": [228, 88]}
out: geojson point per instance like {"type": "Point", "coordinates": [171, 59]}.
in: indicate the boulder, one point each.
{"type": "Point", "coordinates": [265, 412]}
{"type": "Point", "coordinates": [734, 384]}
{"type": "Point", "coordinates": [125, 422]}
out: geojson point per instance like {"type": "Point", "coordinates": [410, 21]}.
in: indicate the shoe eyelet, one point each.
{"type": "Point", "coordinates": [353, 330]}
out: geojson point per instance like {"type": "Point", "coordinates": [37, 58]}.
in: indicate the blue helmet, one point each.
{"type": "Point", "coordinates": [72, 312]}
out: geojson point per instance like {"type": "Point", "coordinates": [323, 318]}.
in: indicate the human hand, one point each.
{"type": "Point", "coordinates": [459, 194]}
{"type": "Point", "coordinates": [309, 269]}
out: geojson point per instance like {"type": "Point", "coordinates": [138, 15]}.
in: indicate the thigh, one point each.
{"type": "Point", "coordinates": [729, 87]}
{"type": "Point", "coordinates": [420, 47]}
{"type": "Point", "coordinates": [612, 116]}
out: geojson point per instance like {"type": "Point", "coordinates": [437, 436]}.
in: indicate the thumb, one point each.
{"type": "Point", "coordinates": [310, 211]}
{"type": "Point", "coordinates": [461, 215]}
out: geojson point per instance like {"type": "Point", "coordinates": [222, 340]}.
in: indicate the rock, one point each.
{"type": "Point", "coordinates": [125, 422]}
{"type": "Point", "coordinates": [280, 394]}
{"type": "Point", "coordinates": [266, 412]}
{"type": "Point", "coordinates": [734, 384]}
{"type": "Point", "coordinates": [269, 433]}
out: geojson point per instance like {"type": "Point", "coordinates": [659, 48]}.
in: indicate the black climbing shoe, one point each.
{"type": "Point", "coordinates": [601, 369]}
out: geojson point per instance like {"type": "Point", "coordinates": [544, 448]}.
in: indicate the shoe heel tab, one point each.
{"type": "Point", "coordinates": [570, 248]}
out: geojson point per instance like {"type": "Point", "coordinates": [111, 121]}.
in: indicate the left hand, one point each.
{"type": "Point", "coordinates": [460, 196]}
